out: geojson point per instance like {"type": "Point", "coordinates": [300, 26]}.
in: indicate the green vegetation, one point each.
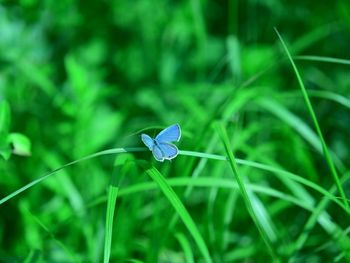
{"type": "Point", "coordinates": [261, 90]}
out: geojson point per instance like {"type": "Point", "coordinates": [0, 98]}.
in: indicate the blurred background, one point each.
{"type": "Point", "coordinates": [78, 77]}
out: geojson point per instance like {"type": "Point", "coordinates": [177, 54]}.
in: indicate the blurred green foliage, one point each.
{"type": "Point", "coordinates": [77, 77]}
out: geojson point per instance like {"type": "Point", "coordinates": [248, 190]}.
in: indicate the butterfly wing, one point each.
{"type": "Point", "coordinates": [170, 134]}
{"type": "Point", "coordinates": [148, 141]}
{"type": "Point", "coordinates": [157, 153]}
{"type": "Point", "coordinates": [168, 150]}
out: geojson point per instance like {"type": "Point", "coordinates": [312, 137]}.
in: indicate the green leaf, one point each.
{"type": "Point", "coordinates": [5, 152]}
{"type": "Point", "coordinates": [20, 143]}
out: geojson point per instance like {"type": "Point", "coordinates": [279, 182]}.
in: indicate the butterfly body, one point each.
{"type": "Point", "coordinates": [161, 146]}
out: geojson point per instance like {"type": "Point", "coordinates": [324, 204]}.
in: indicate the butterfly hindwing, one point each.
{"type": "Point", "coordinates": [148, 141]}
{"type": "Point", "coordinates": [168, 150]}
{"type": "Point", "coordinates": [157, 153]}
{"type": "Point", "coordinates": [170, 134]}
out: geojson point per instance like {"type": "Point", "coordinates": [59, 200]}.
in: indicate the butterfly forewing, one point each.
{"type": "Point", "coordinates": [170, 134]}
{"type": "Point", "coordinates": [148, 141]}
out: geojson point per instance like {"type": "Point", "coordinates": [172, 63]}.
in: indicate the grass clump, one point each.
{"type": "Point", "coordinates": [270, 183]}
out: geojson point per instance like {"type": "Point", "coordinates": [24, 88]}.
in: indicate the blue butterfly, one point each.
{"type": "Point", "coordinates": [161, 146]}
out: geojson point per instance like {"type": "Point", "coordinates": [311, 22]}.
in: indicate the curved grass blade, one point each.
{"type": "Point", "coordinates": [316, 214]}
{"type": "Point", "coordinates": [209, 182]}
{"type": "Point", "coordinates": [323, 219]}
{"type": "Point", "coordinates": [248, 203]}
{"type": "Point", "coordinates": [292, 120]}
{"type": "Point", "coordinates": [186, 247]}
{"type": "Point", "coordinates": [298, 125]}
{"type": "Point", "coordinates": [324, 94]}
{"type": "Point", "coordinates": [181, 211]}
{"type": "Point", "coordinates": [257, 165]}
{"type": "Point", "coordinates": [273, 170]}
{"type": "Point", "coordinates": [324, 59]}
{"type": "Point", "coordinates": [105, 152]}
{"type": "Point", "coordinates": [317, 127]}
{"type": "Point", "coordinates": [264, 167]}
{"type": "Point", "coordinates": [331, 96]}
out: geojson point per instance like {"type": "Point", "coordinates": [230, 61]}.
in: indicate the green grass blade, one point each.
{"type": "Point", "coordinates": [324, 94]}
{"type": "Point", "coordinates": [264, 217]}
{"type": "Point", "coordinates": [111, 201]}
{"type": "Point", "coordinates": [315, 216]}
{"type": "Point", "coordinates": [295, 178]}
{"type": "Point", "coordinates": [268, 168]}
{"type": "Point", "coordinates": [314, 120]}
{"type": "Point", "coordinates": [181, 211]}
{"type": "Point", "coordinates": [105, 152]}
{"type": "Point", "coordinates": [294, 121]}
{"type": "Point", "coordinates": [240, 254]}
{"type": "Point", "coordinates": [331, 96]}
{"type": "Point", "coordinates": [222, 183]}
{"type": "Point", "coordinates": [186, 247]}
{"type": "Point", "coordinates": [232, 161]}
{"type": "Point", "coordinates": [273, 170]}
{"type": "Point", "coordinates": [322, 217]}
{"type": "Point", "coordinates": [203, 155]}
{"type": "Point", "coordinates": [324, 59]}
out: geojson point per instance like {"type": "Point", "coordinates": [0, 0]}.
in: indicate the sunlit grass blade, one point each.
{"type": "Point", "coordinates": [203, 155]}
{"type": "Point", "coordinates": [181, 211]}
{"type": "Point", "coordinates": [264, 217]}
{"type": "Point", "coordinates": [240, 181]}
{"type": "Point", "coordinates": [111, 201]}
{"type": "Point", "coordinates": [324, 59]}
{"type": "Point", "coordinates": [186, 247]}
{"type": "Point", "coordinates": [316, 124]}
{"type": "Point", "coordinates": [292, 120]}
